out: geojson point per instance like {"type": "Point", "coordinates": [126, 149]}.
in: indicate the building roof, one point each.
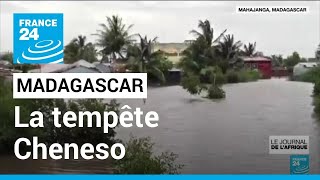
{"type": "Point", "coordinates": [51, 68]}
{"type": "Point", "coordinates": [256, 58]}
{"type": "Point", "coordinates": [7, 72]}
{"type": "Point", "coordinates": [104, 68]}
{"type": "Point", "coordinates": [81, 69]}
{"type": "Point", "coordinates": [78, 66]}
{"type": "Point", "coordinates": [306, 64]}
{"type": "Point", "coordinates": [83, 63]}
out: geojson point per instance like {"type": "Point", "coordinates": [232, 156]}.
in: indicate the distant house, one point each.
{"type": "Point", "coordinates": [119, 65]}
{"type": "Point", "coordinates": [261, 63]}
{"type": "Point", "coordinates": [7, 73]}
{"type": "Point", "coordinates": [80, 66]}
{"type": "Point", "coordinates": [301, 68]}
{"type": "Point", "coordinates": [173, 51]}
{"type": "Point", "coordinates": [5, 64]}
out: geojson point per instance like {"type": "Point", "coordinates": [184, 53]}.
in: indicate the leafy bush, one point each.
{"type": "Point", "coordinates": [249, 75]}
{"type": "Point", "coordinates": [213, 74]}
{"type": "Point", "coordinates": [316, 88]}
{"type": "Point", "coordinates": [191, 83]}
{"type": "Point", "coordinates": [312, 75]}
{"type": "Point", "coordinates": [232, 77]}
{"type": "Point", "coordinates": [316, 103]}
{"type": "Point", "coordinates": [216, 92]}
{"type": "Point", "coordinates": [220, 78]}
{"type": "Point", "coordinates": [139, 159]}
{"type": "Point", "coordinates": [244, 75]}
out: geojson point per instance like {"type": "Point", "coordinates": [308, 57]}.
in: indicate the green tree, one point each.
{"type": "Point", "coordinates": [228, 48]}
{"type": "Point", "coordinates": [191, 82]}
{"type": "Point", "coordinates": [78, 49]}
{"type": "Point", "coordinates": [214, 90]}
{"type": "Point", "coordinates": [7, 56]}
{"type": "Point", "coordinates": [200, 58]}
{"type": "Point", "coordinates": [293, 59]}
{"type": "Point", "coordinates": [143, 59]}
{"type": "Point", "coordinates": [212, 72]}
{"type": "Point", "coordinates": [206, 33]}
{"type": "Point", "coordinates": [277, 61]}
{"type": "Point", "coordinates": [140, 159]}
{"type": "Point", "coordinates": [114, 37]}
{"type": "Point", "coordinates": [249, 50]}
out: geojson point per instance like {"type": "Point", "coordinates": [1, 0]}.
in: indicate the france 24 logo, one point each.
{"type": "Point", "coordinates": [299, 164]}
{"type": "Point", "coordinates": [38, 38]}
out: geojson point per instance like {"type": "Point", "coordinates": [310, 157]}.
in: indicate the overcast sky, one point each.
{"type": "Point", "coordinates": [172, 21]}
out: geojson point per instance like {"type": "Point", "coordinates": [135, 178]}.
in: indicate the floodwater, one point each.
{"type": "Point", "coordinates": [232, 135]}
{"type": "Point", "coordinates": [225, 136]}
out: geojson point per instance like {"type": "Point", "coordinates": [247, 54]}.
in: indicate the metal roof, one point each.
{"type": "Point", "coordinates": [56, 68]}
{"type": "Point", "coordinates": [81, 69]}
{"type": "Point", "coordinates": [257, 58]}
{"type": "Point", "coordinates": [306, 64]}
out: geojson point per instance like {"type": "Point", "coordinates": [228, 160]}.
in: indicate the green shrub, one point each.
{"type": "Point", "coordinates": [312, 75]}
{"type": "Point", "coordinates": [243, 75]}
{"type": "Point", "coordinates": [191, 83]}
{"type": "Point", "coordinates": [216, 92]}
{"type": "Point", "coordinates": [232, 76]}
{"type": "Point", "coordinates": [249, 75]}
{"type": "Point", "coordinates": [140, 159]}
{"type": "Point", "coordinates": [316, 88]}
{"type": "Point", "coordinates": [220, 79]}
{"type": "Point", "coordinates": [316, 103]}
{"type": "Point", "coordinates": [212, 74]}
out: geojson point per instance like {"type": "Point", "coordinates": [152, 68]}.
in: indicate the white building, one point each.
{"type": "Point", "coordinates": [301, 68]}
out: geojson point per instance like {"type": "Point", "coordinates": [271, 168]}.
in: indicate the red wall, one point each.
{"type": "Point", "coordinates": [264, 67]}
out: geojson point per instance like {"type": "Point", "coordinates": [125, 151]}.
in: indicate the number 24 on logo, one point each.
{"type": "Point", "coordinates": [296, 163]}
{"type": "Point", "coordinates": [26, 34]}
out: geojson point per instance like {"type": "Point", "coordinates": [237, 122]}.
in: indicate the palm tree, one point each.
{"type": "Point", "coordinates": [200, 61]}
{"type": "Point", "coordinates": [79, 43]}
{"type": "Point", "coordinates": [277, 61]}
{"type": "Point", "coordinates": [113, 37]}
{"type": "Point", "coordinates": [249, 50]}
{"type": "Point", "coordinates": [78, 49]}
{"type": "Point", "coordinates": [144, 60]}
{"type": "Point", "coordinates": [228, 48]}
{"type": "Point", "coordinates": [206, 32]}
{"type": "Point", "coordinates": [202, 52]}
